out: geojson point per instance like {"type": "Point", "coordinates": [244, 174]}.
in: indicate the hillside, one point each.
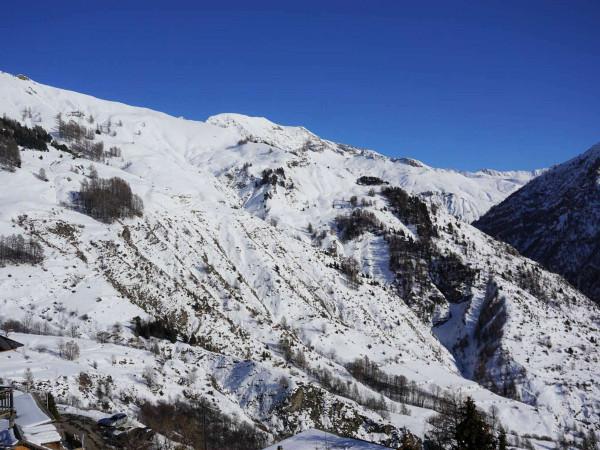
{"type": "Point", "coordinates": [554, 220]}
{"type": "Point", "coordinates": [272, 266]}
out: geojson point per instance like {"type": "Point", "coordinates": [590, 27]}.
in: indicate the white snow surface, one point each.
{"type": "Point", "coordinates": [317, 439]}
{"type": "Point", "coordinates": [467, 195]}
{"type": "Point", "coordinates": [231, 262]}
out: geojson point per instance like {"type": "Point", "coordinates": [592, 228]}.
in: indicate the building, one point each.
{"type": "Point", "coordinates": [24, 425]}
{"type": "Point", "coordinates": [7, 344]}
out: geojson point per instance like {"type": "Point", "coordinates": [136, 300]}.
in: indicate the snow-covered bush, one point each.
{"type": "Point", "coordinates": [42, 174]}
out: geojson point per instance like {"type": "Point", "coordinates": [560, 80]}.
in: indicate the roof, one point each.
{"type": "Point", "coordinates": [8, 344]}
{"type": "Point", "coordinates": [310, 439]}
{"type": "Point", "coordinates": [36, 426]}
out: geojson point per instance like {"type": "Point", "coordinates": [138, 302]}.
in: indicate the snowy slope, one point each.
{"type": "Point", "coordinates": [554, 220]}
{"type": "Point", "coordinates": [224, 251]}
{"type": "Point", "coordinates": [466, 195]}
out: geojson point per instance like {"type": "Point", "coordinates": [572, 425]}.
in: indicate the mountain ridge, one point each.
{"type": "Point", "coordinates": [553, 220]}
{"type": "Point", "coordinates": [277, 270]}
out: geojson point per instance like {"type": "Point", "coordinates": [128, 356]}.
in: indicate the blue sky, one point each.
{"type": "Point", "coordinates": [465, 84]}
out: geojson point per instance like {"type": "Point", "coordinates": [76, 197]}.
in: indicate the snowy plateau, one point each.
{"type": "Point", "coordinates": [281, 260]}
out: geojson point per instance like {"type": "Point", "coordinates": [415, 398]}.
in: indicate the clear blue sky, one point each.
{"type": "Point", "coordinates": [465, 84]}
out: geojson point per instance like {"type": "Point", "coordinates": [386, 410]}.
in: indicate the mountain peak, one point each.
{"type": "Point", "coordinates": [260, 129]}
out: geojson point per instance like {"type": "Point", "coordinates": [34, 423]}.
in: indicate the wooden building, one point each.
{"type": "Point", "coordinates": [24, 425]}
{"type": "Point", "coordinates": [7, 344]}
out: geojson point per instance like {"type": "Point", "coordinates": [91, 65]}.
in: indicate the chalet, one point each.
{"type": "Point", "coordinates": [7, 418]}
{"type": "Point", "coordinates": [24, 425]}
{"type": "Point", "coordinates": [7, 344]}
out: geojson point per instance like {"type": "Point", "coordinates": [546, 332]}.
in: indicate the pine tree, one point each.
{"type": "Point", "coordinates": [502, 444]}
{"type": "Point", "coordinates": [10, 156]}
{"type": "Point", "coordinates": [409, 442]}
{"type": "Point", "coordinates": [590, 442]}
{"type": "Point", "coordinates": [472, 432]}
{"type": "Point", "coordinates": [51, 403]}
{"type": "Point", "coordinates": [28, 380]}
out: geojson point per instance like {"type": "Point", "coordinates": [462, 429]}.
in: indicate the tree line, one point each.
{"type": "Point", "coordinates": [16, 249]}
{"type": "Point", "coordinates": [108, 199]}
{"type": "Point", "coordinates": [81, 139]}
{"type": "Point", "coordinates": [367, 180]}
{"type": "Point", "coordinates": [200, 425]}
{"type": "Point", "coordinates": [462, 426]}
{"type": "Point", "coordinates": [72, 131]}
{"type": "Point", "coordinates": [10, 156]}
{"type": "Point", "coordinates": [35, 138]}
{"type": "Point", "coordinates": [356, 223]}
{"type": "Point", "coordinates": [160, 329]}
{"type": "Point", "coordinates": [459, 425]}
{"type": "Point", "coordinates": [410, 209]}
{"type": "Point", "coordinates": [395, 387]}
{"type": "Point", "coordinates": [13, 135]}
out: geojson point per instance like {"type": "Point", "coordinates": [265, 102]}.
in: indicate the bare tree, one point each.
{"type": "Point", "coordinates": [42, 174]}
{"type": "Point", "coordinates": [73, 330]}
{"type": "Point", "coordinates": [149, 377]}
{"type": "Point", "coordinates": [15, 249]}
{"type": "Point", "coordinates": [69, 350]}
{"type": "Point", "coordinates": [108, 199]}
{"type": "Point", "coordinates": [192, 376]}
{"type": "Point", "coordinates": [28, 383]}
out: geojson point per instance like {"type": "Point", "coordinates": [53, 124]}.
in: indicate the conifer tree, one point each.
{"type": "Point", "coordinates": [502, 444]}
{"type": "Point", "coordinates": [472, 432]}
{"type": "Point", "coordinates": [409, 442]}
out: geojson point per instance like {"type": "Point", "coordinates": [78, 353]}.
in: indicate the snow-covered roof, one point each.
{"type": "Point", "coordinates": [36, 425]}
{"type": "Point", "coordinates": [318, 439]}
{"type": "Point", "coordinates": [8, 344]}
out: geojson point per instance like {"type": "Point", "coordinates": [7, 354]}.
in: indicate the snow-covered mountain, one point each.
{"type": "Point", "coordinates": [281, 261]}
{"type": "Point", "coordinates": [555, 221]}
{"type": "Point", "coordinates": [466, 195]}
